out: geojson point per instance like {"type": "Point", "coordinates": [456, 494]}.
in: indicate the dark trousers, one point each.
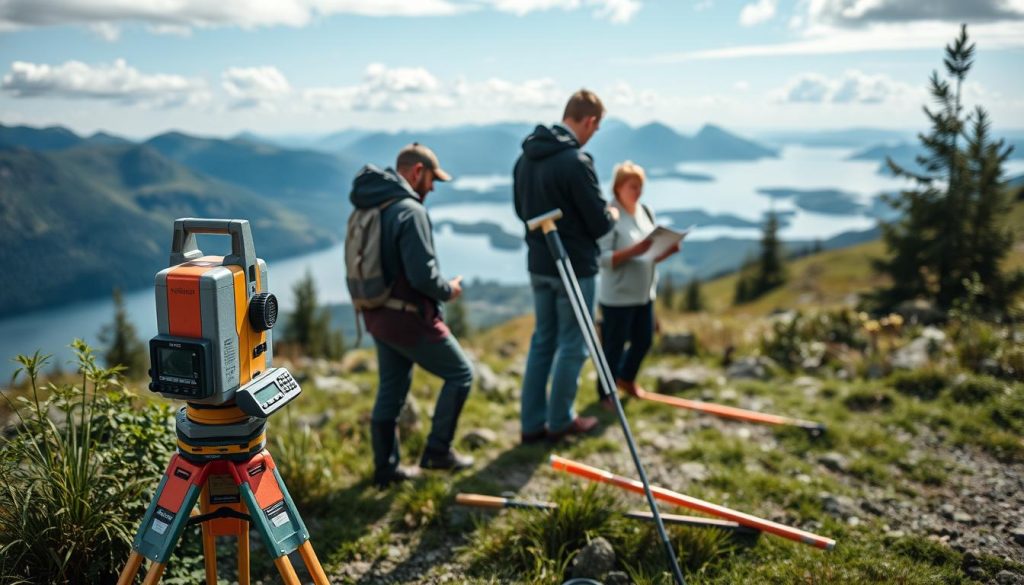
{"type": "Point", "coordinates": [632, 325]}
{"type": "Point", "coordinates": [445, 360]}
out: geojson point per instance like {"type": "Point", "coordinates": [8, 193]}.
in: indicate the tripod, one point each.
{"type": "Point", "coordinates": [546, 223]}
{"type": "Point", "coordinates": [222, 464]}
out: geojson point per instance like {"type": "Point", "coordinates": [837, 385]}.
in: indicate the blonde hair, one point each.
{"type": "Point", "coordinates": [624, 171]}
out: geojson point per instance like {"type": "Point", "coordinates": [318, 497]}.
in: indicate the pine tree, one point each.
{"type": "Point", "coordinates": [950, 224]}
{"type": "Point", "coordinates": [693, 302]}
{"type": "Point", "coordinates": [741, 294]}
{"type": "Point", "coordinates": [123, 346]}
{"type": "Point", "coordinates": [770, 270]}
{"type": "Point", "coordinates": [309, 325]}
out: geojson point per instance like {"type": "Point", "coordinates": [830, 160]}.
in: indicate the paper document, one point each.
{"type": "Point", "coordinates": [663, 238]}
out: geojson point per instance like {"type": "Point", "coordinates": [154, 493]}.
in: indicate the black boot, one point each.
{"type": "Point", "coordinates": [384, 439]}
{"type": "Point", "coordinates": [450, 460]}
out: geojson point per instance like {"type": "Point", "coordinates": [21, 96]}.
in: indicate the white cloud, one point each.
{"type": "Point", "coordinates": [859, 13]}
{"type": "Point", "coordinates": [853, 86]}
{"type": "Point", "coordinates": [117, 82]}
{"type": "Point", "coordinates": [617, 11]}
{"type": "Point", "coordinates": [254, 87]}
{"type": "Point", "coordinates": [758, 12]}
{"type": "Point", "coordinates": [398, 89]}
{"type": "Point", "coordinates": [106, 31]}
{"type": "Point", "coordinates": [741, 86]}
{"type": "Point", "coordinates": [622, 94]}
{"type": "Point", "coordinates": [206, 13]}
{"type": "Point", "coordinates": [884, 37]}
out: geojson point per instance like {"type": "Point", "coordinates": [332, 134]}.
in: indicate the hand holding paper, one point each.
{"type": "Point", "coordinates": [663, 240]}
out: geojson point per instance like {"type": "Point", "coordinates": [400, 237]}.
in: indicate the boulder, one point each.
{"type": "Point", "coordinates": [476, 438]}
{"type": "Point", "coordinates": [920, 312]}
{"type": "Point", "coordinates": [750, 367]}
{"type": "Point", "coordinates": [682, 379]}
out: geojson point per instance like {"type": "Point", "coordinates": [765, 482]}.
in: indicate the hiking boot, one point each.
{"type": "Point", "coordinates": [534, 437]}
{"type": "Point", "coordinates": [579, 426]}
{"type": "Point", "coordinates": [384, 478]}
{"type": "Point", "coordinates": [449, 460]}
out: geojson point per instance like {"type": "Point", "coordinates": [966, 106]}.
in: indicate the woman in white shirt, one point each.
{"type": "Point", "coordinates": [628, 282]}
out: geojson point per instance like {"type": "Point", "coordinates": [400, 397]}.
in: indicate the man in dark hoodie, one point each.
{"type": "Point", "coordinates": [554, 173]}
{"type": "Point", "coordinates": [410, 329]}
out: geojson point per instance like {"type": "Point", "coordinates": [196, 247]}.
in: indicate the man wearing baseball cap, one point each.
{"type": "Point", "coordinates": [409, 328]}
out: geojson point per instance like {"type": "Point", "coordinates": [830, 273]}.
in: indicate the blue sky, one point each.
{"type": "Point", "coordinates": [139, 67]}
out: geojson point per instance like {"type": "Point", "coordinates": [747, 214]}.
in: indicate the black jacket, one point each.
{"type": "Point", "coordinates": [406, 235]}
{"type": "Point", "coordinates": [554, 173]}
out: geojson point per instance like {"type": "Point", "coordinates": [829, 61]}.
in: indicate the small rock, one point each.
{"type": "Point", "coordinates": [853, 521]}
{"type": "Point", "coordinates": [963, 518]}
{"type": "Point", "coordinates": [682, 379]}
{"type": "Point", "coordinates": [490, 384]}
{"type": "Point", "coordinates": [617, 578]}
{"type": "Point", "coordinates": [335, 385]}
{"type": "Point", "coordinates": [1005, 577]}
{"type": "Point", "coordinates": [681, 343]}
{"type": "Point", "coordinates": [749, 368]}
{"type": "Point", "coordinates": [595, 560]}
{"type": "Point", "coordinates": [834, 461]}
{"type": "Point", "coordinates": [508, 349]}
{"type": "Point", "coordinates": [895, 534]}
{"type": "Point", "coordinates": [1018, 536]}
{"type": "Point", "coordinates": [694, 471]}
{"type": "Point", "coordinates": [476, 438]}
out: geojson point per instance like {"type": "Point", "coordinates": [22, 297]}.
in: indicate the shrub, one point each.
{"type": "Point", "coordinates": [973, 390]}
{"type": "Point", "coordinates": [72, 492]}
{"type": "Point", "coordinates": [924, 384]}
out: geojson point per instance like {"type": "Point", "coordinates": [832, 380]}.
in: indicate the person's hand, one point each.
{"type": "Point", "coordinates": [456, 284]}
{"type": "Point", "coordinates": [667, 253]}
{"type": "Point", "coordinates": [641, 247]}
{"type": "Point", "coordinates": [614, 212]}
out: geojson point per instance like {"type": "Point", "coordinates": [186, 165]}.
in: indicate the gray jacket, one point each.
{"type": "Point", "coordinates": [635, 281]}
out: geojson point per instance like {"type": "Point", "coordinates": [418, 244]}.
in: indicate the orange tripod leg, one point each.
{"type": "Point", "coordinates": [313, 564]}
{"type": "Point", "coordinates": [156, 570]}
{"type": "Point", "coordinates": [284, 566]}
{"type": "Point", "coordinates": [210, 554]}
{"type": "Point", "coordinates": [131, 569]}
{"type": "Point", "coordinates": [243, 555]}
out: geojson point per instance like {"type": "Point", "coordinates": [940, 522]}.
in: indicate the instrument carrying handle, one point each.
{"type": "Point", "coordinates": [243, 252]}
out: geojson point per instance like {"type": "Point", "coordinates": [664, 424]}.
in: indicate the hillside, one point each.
{"type": "Point", "coordinates": [79, 221]}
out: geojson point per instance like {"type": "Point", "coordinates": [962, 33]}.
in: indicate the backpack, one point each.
{"type": "Point", "coordinates": [364, 269]}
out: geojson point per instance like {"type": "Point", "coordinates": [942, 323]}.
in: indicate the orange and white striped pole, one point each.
{"type": "Point", "coordinates": [600, 475]}
{"type": "Point", "coordinates": [732, 412]}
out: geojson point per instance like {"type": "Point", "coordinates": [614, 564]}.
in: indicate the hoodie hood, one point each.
{"type": "Point", "coordinates": [545, 142]}
{"type": "Point", "coordinates": [373, 186]}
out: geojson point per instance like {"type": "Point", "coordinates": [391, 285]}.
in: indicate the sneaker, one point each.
{"type": "Point", "coordinates": [449, 460]}
{"type": "Point", "coordinates": [579, 425]}
{"type": "Point", "coordinates": [534, 437]}
{"type": "Point", "coordinates": [383, 479]}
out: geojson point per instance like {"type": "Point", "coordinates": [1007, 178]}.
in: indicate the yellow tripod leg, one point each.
{"type": "Point", "coordinates": [313, 564]}
{"type": "Point", "coordinates": [131, 568]}
{"type": "Point", "coordinates": [284, 566]}
{"type": "Point", "coordinates": [156, 570]}
{"type": "Point", "coordinates": [243, 555]}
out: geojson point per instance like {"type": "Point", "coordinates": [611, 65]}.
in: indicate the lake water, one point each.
{"type": "Point", "coordinates": [734, 191]}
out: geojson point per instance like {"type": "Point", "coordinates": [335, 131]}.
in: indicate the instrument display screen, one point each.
{"type": "Point", "coordinates": [180, 363]}
{"type": "Point", "coordinates": [264, 393]}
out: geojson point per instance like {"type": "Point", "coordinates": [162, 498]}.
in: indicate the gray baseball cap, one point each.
{"type": "Point", "coordinates": [417, 153]}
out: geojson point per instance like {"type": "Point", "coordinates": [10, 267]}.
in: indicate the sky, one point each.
{"type": "Point", "coordinates": [308, 67]}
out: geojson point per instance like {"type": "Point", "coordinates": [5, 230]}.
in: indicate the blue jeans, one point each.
{"type": "Point", "coordinates": [633, 324]}
{"type": "Point", "coordinates": [444, 359]}
{"type": "Point", "coordinates": [557, 341]}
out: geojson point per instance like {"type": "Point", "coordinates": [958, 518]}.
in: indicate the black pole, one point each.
{"type": "Point", "coordinates": [578, 303]}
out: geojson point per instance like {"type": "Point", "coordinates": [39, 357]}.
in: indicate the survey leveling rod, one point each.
{"type": "Point", "coordinates": [546, 223]}
{"type": "Point", "coordinates": [813, 428]}
{"type": "Point", "coordinates": [600, 475]}
{"type": "Point", "coordinates": [483, 501]}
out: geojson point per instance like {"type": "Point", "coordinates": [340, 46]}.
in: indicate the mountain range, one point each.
{"type": "Point", "coordinates": [82, 214]}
